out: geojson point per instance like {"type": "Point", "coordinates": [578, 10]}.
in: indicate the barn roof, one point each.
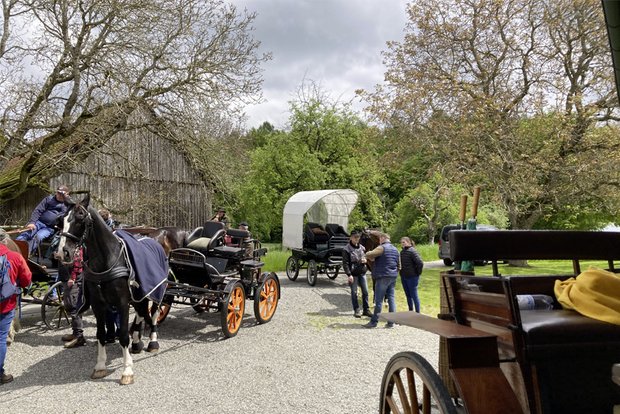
{"type": "Point", "coordinates": [64, 154]}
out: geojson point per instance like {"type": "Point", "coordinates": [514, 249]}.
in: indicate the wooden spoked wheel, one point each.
{"type": "Point", "coordinates": [53, 311]}
{"type": "Point", "coordinates": [164, 309]}
{"type": "Point", "coordinates": [232, 313]}
{"type": "Point", "coordinates": [266, 299]}
{"type": "Point", "coordinates": [292, 268]}
{"type": "Point", "coordinates": [332, 272]}
{"type": "Point", "coordinates": [411, 385]}
{"type": "Point", "coordinates": [313, 272]}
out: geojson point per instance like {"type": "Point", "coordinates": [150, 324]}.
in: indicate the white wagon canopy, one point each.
{"type": "Point", "coordinates": [321, 206]}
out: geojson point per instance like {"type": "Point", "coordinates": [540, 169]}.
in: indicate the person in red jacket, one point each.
{"type": "Point", "coordinates": [21, 276]}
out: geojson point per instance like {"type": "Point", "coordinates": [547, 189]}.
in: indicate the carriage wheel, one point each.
{"type": "Point", "coordinates": [232, 314]}
{"type": "Point", "coordinates": [332, 272]}
{"type": "Point", "coordinates": [266, 299]}
{"type": "Point", "coordinates": [292, 268]}
{"type": "Point", "coordinates": [53, 311]}
{"type": "Point", "coordinates": [313, 272]}
{"type": "Point", "coordinates": [164, 309]}
{"type": "Point", "coordinates": [407, 377]}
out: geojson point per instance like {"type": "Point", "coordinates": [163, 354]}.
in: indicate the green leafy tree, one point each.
{"type": "Point", "coordinates": [327, 146]}
{"type": "Point", "coordinates": [509, 95]}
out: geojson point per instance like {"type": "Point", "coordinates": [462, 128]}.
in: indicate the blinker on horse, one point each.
{"type": "Point", "coordinates": [106, 283]}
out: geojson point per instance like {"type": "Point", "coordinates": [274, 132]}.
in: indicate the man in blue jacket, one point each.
{"type": "Point", "coordinates": [385, 272]}
{"type": "Point", "coordinates": [44, 217]}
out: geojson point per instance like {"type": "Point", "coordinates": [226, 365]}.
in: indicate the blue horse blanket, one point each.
{"type": "Point", "coordinates": [148, 267]}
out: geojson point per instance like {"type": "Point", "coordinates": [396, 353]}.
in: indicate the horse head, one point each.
{"type": "Point", "coordinates": [81, 226]}
{"type": "Point", "coordinates": [370, 240]}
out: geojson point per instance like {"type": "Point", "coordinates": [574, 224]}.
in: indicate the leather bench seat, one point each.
{"type": "Point", "coordinates": [550, 333]}
{"type": "Point", "coordinates": [229, 252]}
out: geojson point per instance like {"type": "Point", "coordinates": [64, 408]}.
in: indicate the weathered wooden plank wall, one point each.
{"type": "Point", "coordinates": [139, 176]}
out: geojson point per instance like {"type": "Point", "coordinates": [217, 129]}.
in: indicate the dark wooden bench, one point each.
{"type": "Point", "coordinates": [555, 360]}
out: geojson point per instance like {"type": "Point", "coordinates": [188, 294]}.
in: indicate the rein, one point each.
{"type": "Point", "coordinates": [113, 272]}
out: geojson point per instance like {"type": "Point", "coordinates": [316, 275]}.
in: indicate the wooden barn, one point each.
{"type": "Point", "coordinates": [141, 176]}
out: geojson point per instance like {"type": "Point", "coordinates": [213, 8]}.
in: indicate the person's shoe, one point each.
{"type": "Point", "coordinates": [357, 313]}
{"type": "Point", "coordinates": [6, 378]}
{"type": "Point", "coordinates": [370, 325]}
{"type": "Point", "coordinates": [77, 342]}
{"type": "Point", "coordinates": [68, 338]}
{"type": "Point", "coordinates": [367, 313]}
{"type": "Point", "coordinates": [389, 325]}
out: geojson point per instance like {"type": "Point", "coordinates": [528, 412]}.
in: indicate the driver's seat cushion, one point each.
{"type": "Point", "coordinates": [201, 243]}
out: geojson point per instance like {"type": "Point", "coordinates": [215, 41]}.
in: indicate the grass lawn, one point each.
{"type": "Point", "coordinates": [428, 289]}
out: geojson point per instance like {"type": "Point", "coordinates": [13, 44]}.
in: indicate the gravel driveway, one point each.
{"type": "Point", "coordinates": [313, 357]}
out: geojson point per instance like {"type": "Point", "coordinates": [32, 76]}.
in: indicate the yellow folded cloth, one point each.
{"type": "Point", "coordinates": [594, 293]}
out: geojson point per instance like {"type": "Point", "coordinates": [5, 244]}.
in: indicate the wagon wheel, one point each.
{"type": "Point", "coordinates": [164, 309]}
{"type": "Point", "coordinates": [266, 299]}
{"type": "Point", "coordinates": [232, 314]}
{"type": "Point", "coordinates": [407, 377]}
{"type": "Point", "coordinates": [53, 311]}
{"type": "Point", "coordinates": [292, 268]}
{"type": "Point", "coordinates": [332, 271]}
{"type": "Point", "coordinates": [313, 272]}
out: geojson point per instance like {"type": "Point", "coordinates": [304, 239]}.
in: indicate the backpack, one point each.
{"type": "Point", "coordinates": [7, 288]}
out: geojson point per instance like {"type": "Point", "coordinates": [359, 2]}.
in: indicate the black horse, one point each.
{"type": "Point", "coordinates": [106, 281]}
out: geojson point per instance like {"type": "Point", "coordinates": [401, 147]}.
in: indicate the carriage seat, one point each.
{"type": "Point", "coordinates": [336, 230]}
{"type": "Point", "coordinates": [238, 236]}
{"type": "Point", "coordinates": [553, 332]}
{"type": "Point", "coordinates": [314, 235]}
{"type": "Point", "coordinates": [229, 252]}
{"type": "Point", "coordinates": [207, 237]}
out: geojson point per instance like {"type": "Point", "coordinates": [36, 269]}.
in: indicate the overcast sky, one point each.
{"type": "Point", "coordinates": [335, 43]}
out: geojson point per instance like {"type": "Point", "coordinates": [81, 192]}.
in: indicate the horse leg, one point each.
{"type": "Point", "coordinates": [123, 339]}
{"type": "Point", "coordinates": [152, 322]}
{"type": "Point", "coordinates": [136, 335]}
{"type": "Point", "coordinates": [100, 370]}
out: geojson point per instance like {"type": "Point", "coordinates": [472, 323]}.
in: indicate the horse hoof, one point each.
{"type": "Point", "coordinates": [126, 379]}
{"type": "Point", "coordinates": [101, 373]}
{"type": "Point", "coordinates": [137, 347]}
{"type": "Point", "coordinates": [153, 347]}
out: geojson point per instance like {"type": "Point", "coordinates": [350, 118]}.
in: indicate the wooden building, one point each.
{"type": "Point", "coordinates": [140, 176]}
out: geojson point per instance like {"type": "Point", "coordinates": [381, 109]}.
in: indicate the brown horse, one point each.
{"type": "Point", "coordinates": [170, 238]}
{"type": "Point", "coordinates": [370, 240]}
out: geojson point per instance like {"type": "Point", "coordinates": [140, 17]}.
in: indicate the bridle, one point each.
{"type": "Point", "coordinates": [88, 222]}
{"type": "Point", "coordinates": [111, 273]}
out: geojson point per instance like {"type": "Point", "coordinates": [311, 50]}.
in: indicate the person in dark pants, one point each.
{"type": "Point", "coordinates": [385, 273]}
{"type": "Point", "coordinates": [411, 266]}
{"type": "Point", "coordinates": [354, 266]}
{"type": "Point", "coordinates": [73, 300]}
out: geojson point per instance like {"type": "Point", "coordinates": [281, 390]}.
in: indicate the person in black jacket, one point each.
{"type": "Point", "coordinates": [354, 265]}
{"type": "Point", "coordinates": [411, 269]}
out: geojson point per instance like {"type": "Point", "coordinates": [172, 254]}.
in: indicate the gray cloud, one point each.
{"type": "Point", "coordinates": [336, 43]}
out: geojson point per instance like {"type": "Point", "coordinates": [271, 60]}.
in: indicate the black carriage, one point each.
{"type": "Point", "coordinates": [218, 271]}
{"type": "Point", "coordinates": [321, 253]}
{"type": "Point", "coordinates": [314, 228]}
{"type": "Point", "coordinates": [46, 288]}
